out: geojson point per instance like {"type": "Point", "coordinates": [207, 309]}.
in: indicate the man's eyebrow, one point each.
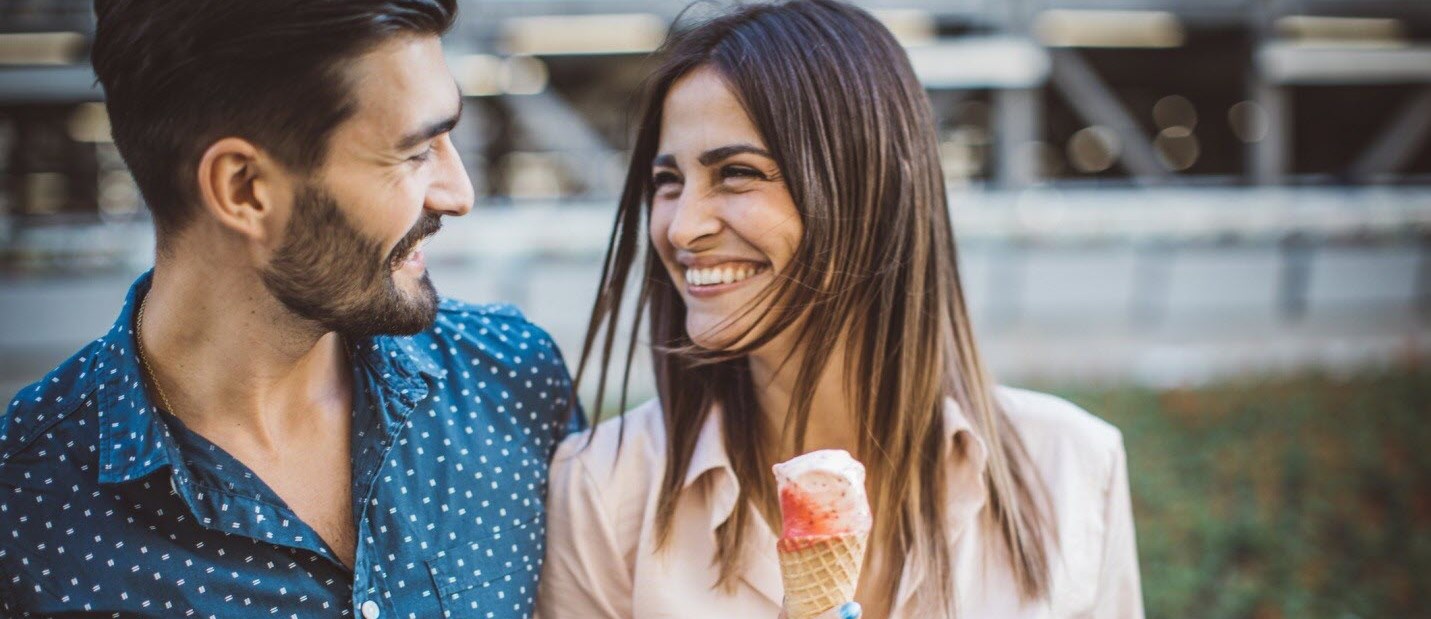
{"type": "Point", "coordinates": [429, 131]}
{"type": "Point", "coordinates": [722, 153]}
{"type": "Point", "coordinates": [664, 161]}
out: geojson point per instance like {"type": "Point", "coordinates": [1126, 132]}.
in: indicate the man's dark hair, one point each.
{"type": "Point", "coordinates": [181, 74]}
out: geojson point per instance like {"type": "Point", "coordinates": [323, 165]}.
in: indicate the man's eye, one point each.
{"type": "Point", "coordinates": [422, 156]}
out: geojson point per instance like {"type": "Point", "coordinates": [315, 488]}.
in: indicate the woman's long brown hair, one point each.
{"type": "Point", "coordinates": [837, 103]}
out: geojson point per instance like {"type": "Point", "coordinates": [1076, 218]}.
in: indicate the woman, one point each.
{"type": "Point", "coordinates": [800, 283]}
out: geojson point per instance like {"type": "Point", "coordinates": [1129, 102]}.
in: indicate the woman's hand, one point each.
{"type": "Point", "coordinates": [851, 610]}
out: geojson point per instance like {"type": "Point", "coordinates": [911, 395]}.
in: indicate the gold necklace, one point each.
{"type": "Point", "coordinates": [144, 359]}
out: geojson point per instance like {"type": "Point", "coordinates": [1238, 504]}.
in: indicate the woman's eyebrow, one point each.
{"type": "Point", "coordinates": [713, 155]}
{"type": "Point", "coordinates": [725, 152]}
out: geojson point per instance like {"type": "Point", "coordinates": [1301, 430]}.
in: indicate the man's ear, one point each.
{"type": "Point", "coordinates": [244, 189]}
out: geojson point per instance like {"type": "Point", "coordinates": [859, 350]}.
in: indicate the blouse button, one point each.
{"type": "Point", "coordinates": [370, 610]}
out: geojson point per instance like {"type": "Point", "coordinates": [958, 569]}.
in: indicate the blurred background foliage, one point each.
{"type": "Point", "coordinates": [1303, 496]}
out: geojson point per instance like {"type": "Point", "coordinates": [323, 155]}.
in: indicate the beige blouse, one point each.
{"type": "Point", "coordinates": [601, 560]}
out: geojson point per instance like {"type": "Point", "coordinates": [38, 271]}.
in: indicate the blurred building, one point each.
{"type": "Point", "coordinates": [1133, 165]}
{"type": "Point", "coordinates": [1145, 92]}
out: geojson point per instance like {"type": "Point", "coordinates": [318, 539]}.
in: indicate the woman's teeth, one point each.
{"type": "Point", "coordinates": [721, 275]}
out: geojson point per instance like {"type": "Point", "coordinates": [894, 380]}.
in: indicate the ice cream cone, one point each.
{"type": "Point", "coordinates": [820, 572]}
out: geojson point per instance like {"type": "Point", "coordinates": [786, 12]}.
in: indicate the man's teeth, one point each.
{"type": "Point", "coordinates": [416, 248]}
{"type": "Point", "coordinates": [720, 275]}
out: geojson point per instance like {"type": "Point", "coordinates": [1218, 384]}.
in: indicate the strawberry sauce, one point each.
{"type": "Point", "coordinates": [805, 517]}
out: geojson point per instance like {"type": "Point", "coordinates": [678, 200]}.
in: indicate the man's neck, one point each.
{"type": "Point", "coordinates": [230, 359]}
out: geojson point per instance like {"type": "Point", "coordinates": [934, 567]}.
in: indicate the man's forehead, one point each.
{"type": "Point", "coordinates": [401, 84]}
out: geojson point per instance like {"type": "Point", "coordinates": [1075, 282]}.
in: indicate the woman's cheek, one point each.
{"type": "Point", "coordinates": [772, 224]}
{"type": "Point", "coordinates": [659, 225]}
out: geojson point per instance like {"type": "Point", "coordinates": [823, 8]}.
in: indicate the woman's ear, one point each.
{"type": "Point", "coordinates": [240, 186]}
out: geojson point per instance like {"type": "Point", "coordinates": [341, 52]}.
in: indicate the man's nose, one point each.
{"type": "Point", "coordinates": [451, 191]}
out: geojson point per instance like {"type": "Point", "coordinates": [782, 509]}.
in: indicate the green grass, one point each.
{"type": "Point", "coordinates": [1305, 496]}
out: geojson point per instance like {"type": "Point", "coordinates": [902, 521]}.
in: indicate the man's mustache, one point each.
{"type": "Point", "coordinates": [427, 226]}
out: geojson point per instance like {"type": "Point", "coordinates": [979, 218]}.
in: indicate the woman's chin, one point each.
{"type": "Point", "coordinates": [712, 334]}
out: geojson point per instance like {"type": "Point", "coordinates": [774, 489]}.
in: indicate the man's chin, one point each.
{"type": "Point", "coordinates": [410, 308]}
{"type": "Point", "coordinates": [415, 286]}
{"type": "Point", "coordinates": [409, 277]}
{"type": "Point", "coordinates": [418, 305]}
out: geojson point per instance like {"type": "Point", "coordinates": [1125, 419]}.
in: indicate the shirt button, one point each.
{"type": "Point", "coordinates": [370, 610]}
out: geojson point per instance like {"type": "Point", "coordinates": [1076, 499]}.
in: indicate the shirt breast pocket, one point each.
{"type": "Point", "coordinates": [497, 574]}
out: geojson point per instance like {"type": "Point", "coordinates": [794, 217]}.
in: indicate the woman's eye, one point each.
{"type": "Point", "coordinates": [740, 172]}
{"type": "Point", "coordinates": [662, 179]}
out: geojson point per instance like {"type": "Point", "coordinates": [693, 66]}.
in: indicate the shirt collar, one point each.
{"type": "Point", "coordinates": [133, 440]}
{"type": "Point", "coordinates": [966, 486]}
{"type": "Point", "coordinates": [709, 453]}
{"type": "Point", "coordinates": [400, 363]}
{"type": "Point", "coordinates": [710, 456]}
{"type": "Point", "coordinates": [968, 456]}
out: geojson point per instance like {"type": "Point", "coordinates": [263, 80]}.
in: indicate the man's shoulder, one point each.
{"type": "Point", "coordinates": [459, 311]}
{"type": "Point", "coordinates": [494, 326]}
{"type": "Point", "coordinates": [495, 352]}
{"type": "Point", "coordinates": [39, 407]}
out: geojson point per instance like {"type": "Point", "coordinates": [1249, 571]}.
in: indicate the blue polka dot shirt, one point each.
{"type": "Point", "coordinates": [109, 507]}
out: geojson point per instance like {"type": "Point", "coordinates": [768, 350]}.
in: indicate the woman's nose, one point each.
{"type": "Point", "coordinates": [696, 217]}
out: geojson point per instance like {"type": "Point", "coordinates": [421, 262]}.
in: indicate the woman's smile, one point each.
{"type": "Point", "coordinates": [709, 281]}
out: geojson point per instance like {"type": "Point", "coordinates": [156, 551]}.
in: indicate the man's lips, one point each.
{"type": "Point", "coordinates": [414, 256]}
{"type": "Point", "coordinates": [410, 247]}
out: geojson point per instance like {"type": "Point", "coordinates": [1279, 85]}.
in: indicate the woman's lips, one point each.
{"type": "Point", "coordinates": [713, 280]}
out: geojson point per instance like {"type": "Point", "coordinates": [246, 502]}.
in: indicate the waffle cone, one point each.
{"type": "Point", "coordinates": [820, 572]}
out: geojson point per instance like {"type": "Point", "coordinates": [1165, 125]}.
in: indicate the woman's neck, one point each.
{"type": "Point", "coordinates": [832, 421]}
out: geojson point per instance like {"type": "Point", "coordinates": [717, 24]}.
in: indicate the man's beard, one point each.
{"type": "Point", "coordinates": [330, 273]}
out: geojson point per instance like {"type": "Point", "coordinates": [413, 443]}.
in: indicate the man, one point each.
{"type": "Point", "coordinates": [285, 420]}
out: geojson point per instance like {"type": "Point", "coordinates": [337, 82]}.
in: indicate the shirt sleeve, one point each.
{"type": "Point", "coordinates": [585, 574]}
{"type": "Point", "coordinates": [1120, 590]}
{"type": "Point", "coordinates": [576, 421]}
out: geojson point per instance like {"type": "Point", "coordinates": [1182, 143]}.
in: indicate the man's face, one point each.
{"type": "Point", "coordinates": [351, 256]}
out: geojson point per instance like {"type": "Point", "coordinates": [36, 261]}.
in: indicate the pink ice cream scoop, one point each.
{"type": "Point", "coordinates": [822, 493]}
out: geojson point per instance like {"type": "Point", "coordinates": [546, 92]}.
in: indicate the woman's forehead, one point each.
{"type": "Point", "coordinates": [702, 112]}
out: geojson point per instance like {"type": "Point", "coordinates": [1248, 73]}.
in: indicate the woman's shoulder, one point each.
{"type": "Point", "coordinates": [621, 457]}
{"type": "Point", "coordinates": [1055, 429]}
{"type": "Point", "coordinates": [1082, 464]}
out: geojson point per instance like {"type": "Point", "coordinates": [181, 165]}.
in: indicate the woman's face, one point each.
{"type": "Point", "coordinates": [722, 219]}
